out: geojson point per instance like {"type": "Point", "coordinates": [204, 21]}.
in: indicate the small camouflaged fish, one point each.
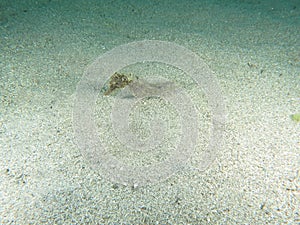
{"type": "Point", "coordinates": [138, 87]}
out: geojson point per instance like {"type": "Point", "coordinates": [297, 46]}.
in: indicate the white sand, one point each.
{"type": "Point", "coordinates": [253, 49]}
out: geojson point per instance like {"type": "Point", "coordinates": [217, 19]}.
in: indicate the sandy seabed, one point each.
{"type": "Point", "coordinates": [252, 47]}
